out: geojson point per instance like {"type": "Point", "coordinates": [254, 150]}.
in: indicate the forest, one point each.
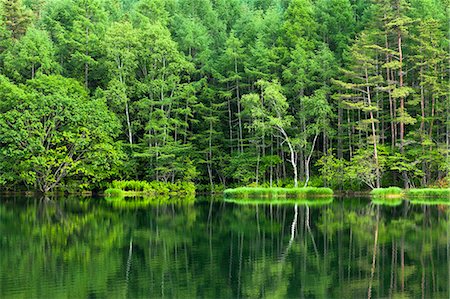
{"type": "Point", "coordinates": [347, 94]}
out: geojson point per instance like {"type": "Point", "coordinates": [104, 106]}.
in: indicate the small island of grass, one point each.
{"type": "Point", "coordinates": [274, 193]}
{"type": "Point", "coordinates": [134, 188]}
{"type": "Point", "coordinates": [387, 193]}
{"type": "Point", "coordinates": [392, 195]}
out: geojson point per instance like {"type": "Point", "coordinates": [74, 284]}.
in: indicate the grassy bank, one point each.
{"type": "Point", "coordinates": [258, 193]}
{"type": "Point", "coordinates": [389, 196]}
{"type": "Point", "coordinates": [429, 192]}
{"type": "Point", "coordinates": [390, 192]}
{"type": "Point", "coordinates": [143, 188]}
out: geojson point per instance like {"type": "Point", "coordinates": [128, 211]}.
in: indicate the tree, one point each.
{"type": "Point", "coordinates": [332, 170]}
{"type": "Point", "coordinates": [121, 43]}
{"type": "Point", "coordinates": [300, 25]}
{"type": "Point", "coordinates": [86, 33]}
{"type": "Point", "coordinates": [363, 81]}
{"type": "Point", "coordinates": [51, 131]}
{"type": "Point", "coordinates": [365, 168]}
{"type": "Point", "coordinates": [269, 113]}
{"type": "Point", "coordinates": [315, 115]}
{"type": "Point", "coordinates": [166, 105]}
{"type": "Point", "coordinates": [336, 24]}
{"type": "Point", "coordinates": [31, 55]}
{"type": "Point", "coordinates": [16, 17]}
{"type": "Point", "coordinates": [233, 58]}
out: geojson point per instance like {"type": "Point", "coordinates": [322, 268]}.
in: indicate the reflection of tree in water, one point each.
{"type": "Point", "coordinates": [82, 248]}
{"type": "Point", "coordinates": [58, 242]}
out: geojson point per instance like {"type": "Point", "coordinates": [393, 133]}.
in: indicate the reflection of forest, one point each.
{"type": "Point", "coordinates": [347, 249]}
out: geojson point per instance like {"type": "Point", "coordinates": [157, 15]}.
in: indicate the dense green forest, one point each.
{"type": "Point", "coordinates": [350, 94]}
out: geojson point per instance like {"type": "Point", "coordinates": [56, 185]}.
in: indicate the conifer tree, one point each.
{"type": "Point", "coordinates": [15, 17]}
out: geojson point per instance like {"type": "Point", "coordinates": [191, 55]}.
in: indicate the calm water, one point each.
{"type": "Point", "coordinates": [347, 248]}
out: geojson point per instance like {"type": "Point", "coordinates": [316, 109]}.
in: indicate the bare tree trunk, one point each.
{"type": "Point", "coordinates": [293, 155]}
{"type": "Point", "coordinates": [257, 165]}
{"type": "Point", "coordinates": [402, 105]}
{"type": "Point", "coordinates": [238, 96]}
{"type": "Point", "coordinates": [230, 125]}
{"type": "Point", "coordinates": [391, 101]}
{"type": "Point", "coordinates": [340, 145]}
{"type": "Point", "coordinates": [374, 134]}
{"type": "Point", "coordinates": [308, 159]}
{"type": "Point", "coordinates": [210, 157]}
{"type": "Point", "coordinates": [127, 113]}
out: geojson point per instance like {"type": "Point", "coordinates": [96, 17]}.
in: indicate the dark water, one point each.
{"type": "Point", "coordinates": [347, 248]}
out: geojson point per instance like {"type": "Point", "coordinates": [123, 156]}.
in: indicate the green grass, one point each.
{"type": "Point", "coordinates": [259, 193]}
{"type": "Point", "coordinates": [429, 192]}
{"type": "Point", "coordinates": [390, 192]}
{"type": "Point", "coordinates": [302, 202]}
{"type": "Point", "coordinates": [140, 188]}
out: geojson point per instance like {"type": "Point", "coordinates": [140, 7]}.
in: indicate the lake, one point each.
{"type": "Point", "coordinates": [343, 248]}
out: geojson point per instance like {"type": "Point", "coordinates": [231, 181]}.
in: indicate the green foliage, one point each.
{"type": "Point", "coordinates": [363, 166]}
{"type": "Point", "coordinates": [353, 94]}
{"type": "Point", "coordinates": [15, 16]}
{"type": "Point", "coordinates": [32, 55]}
{"type": "Point", "coordinates": [333, 170]}
{"type": "Point", "coordinates": [51, 131]}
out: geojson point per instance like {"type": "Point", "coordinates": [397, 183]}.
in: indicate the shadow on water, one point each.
{"type": "Point", "coordinates": [343, 248]}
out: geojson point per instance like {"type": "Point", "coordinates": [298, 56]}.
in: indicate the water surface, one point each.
{"type": "Point", "coordinates": [345, 248]}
